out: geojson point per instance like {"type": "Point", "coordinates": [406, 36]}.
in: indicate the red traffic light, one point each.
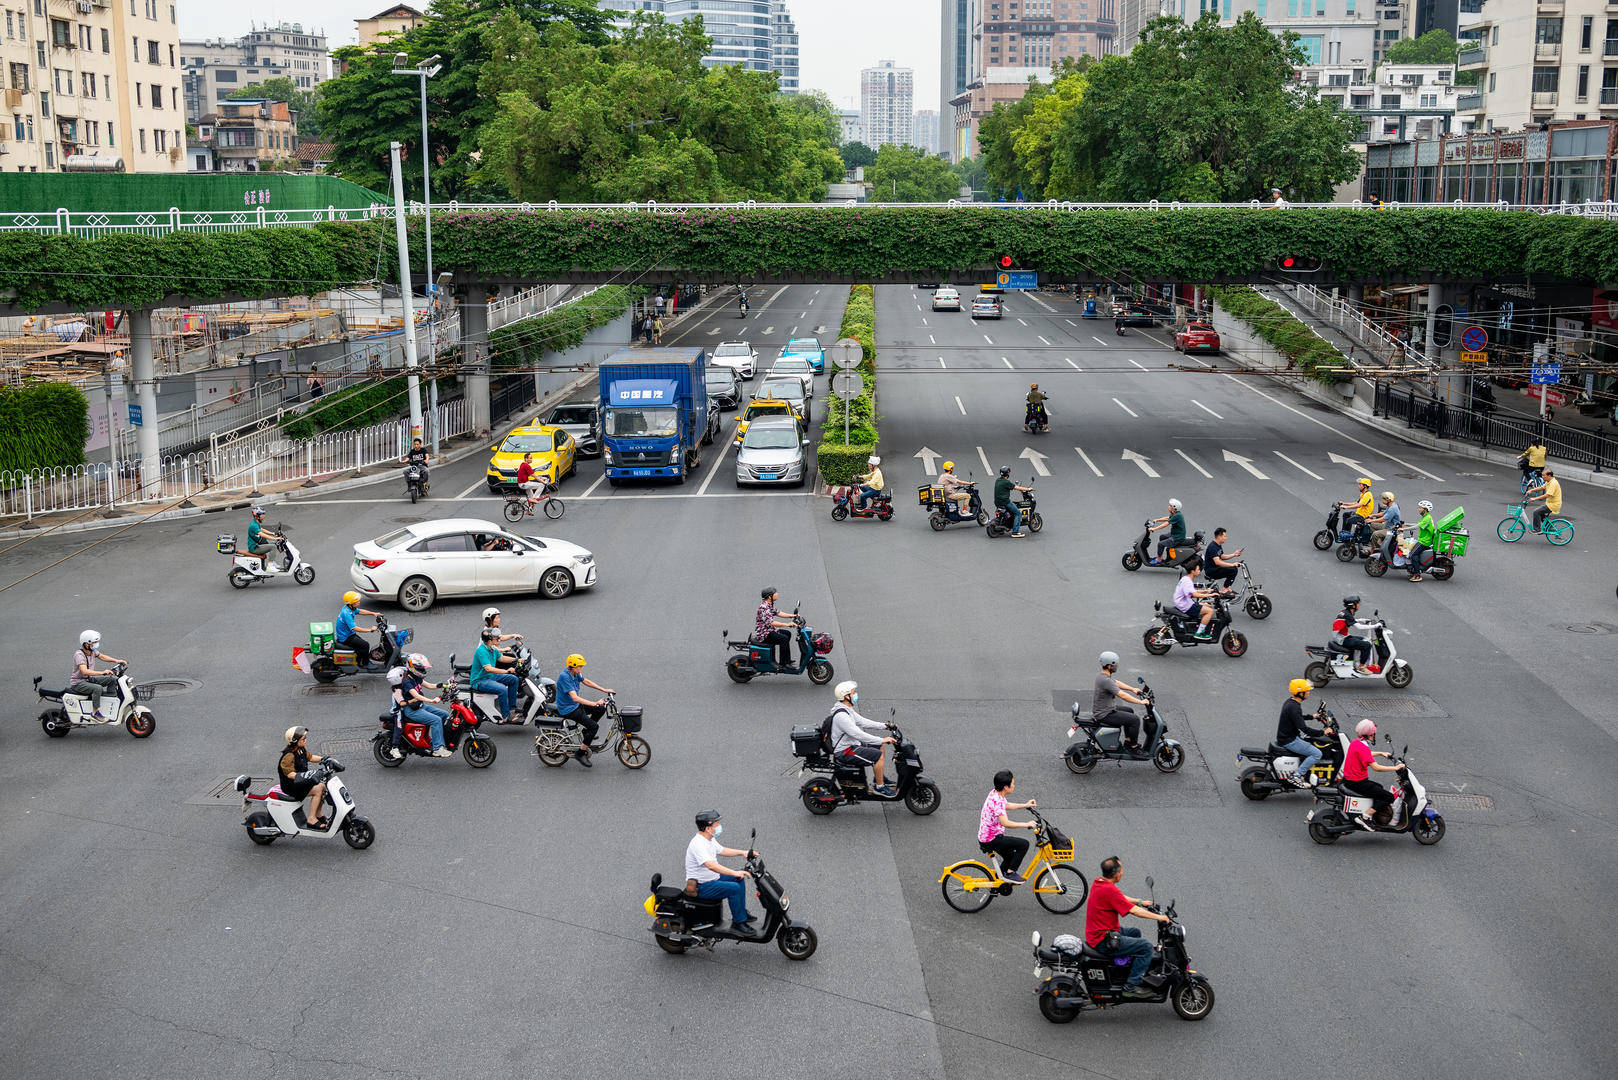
{"type": "Point", "coordinates": [1006, 262]}
{"type": "Point", "coordinates": [1288, 262]}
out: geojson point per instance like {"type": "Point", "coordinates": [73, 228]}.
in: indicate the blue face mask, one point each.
{"type": "Point", "coordinates": [718, 830]}
{"type": "Point", "coordinates": [853, 699]}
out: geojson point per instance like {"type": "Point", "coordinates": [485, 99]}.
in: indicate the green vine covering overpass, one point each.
{"type": "Point", "coordinates": [40, 272]}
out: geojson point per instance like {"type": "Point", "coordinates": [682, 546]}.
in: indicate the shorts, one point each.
{"type": "Point", "coordinates": [1194, 612]}
{"type": "Point", "coordinates": [867, 755]}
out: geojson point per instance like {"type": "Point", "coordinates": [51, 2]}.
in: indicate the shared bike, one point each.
{"type": "Point", "coordinates": [1058, 885]}
{"type": "Point", "coordinates": [1558, 530]}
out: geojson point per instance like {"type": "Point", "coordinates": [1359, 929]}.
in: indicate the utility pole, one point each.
{"type": "Point", "coordinates": [426, 70]}
{"type": "Point", "coordinates": [414, 380]}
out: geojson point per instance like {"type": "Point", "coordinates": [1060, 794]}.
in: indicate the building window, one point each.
{"type": "Point", "coordinates": [1584, 81]}
{"type": "Point", "coordinates": [143, 140]}
{"type": "Point", "coordinates": [153, 56]}
{"type": "Point", "coordinates": [135, 44]}
{"type": "Point", "coordinates": [19, 77]}
{"type": "Point", "coordinates": [1546, 80]}
{"type": "Point", "coordinates": [50, 154]}
{"type": "Point", "coordinates": [110, 140]}
{"type": "Point", "coordinates": [61, 34]}
{"type": "Point", "coordinates": [157, 96]}
{"type": "Point", "coordinates": [171, 56]}
{"type": "Point", "coordinates": [1586, 29]}
{"type": "Point", "coordinates": [44, 104]}
{"type": "Point", "coordinates": [40, 49]}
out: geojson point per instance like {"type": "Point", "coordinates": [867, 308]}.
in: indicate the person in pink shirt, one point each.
{"type": "Point", "coordinates": [1357, 766]}
{"type": "Point", "coordinates": [993, 823]}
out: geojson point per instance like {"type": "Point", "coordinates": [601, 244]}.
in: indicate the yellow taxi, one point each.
{"type": "Point", "coordinates": [555, 455]}
{"type": "Point", "coordinates": [764, 407]}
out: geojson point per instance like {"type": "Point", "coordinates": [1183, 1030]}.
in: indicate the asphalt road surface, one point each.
{"type": "Point", "coordinates": [495, 928]}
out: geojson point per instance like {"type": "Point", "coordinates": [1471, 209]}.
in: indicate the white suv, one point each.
{"type": "Point", "coordinates": [739, 356]}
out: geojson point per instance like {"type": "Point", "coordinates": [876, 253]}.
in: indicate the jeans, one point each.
{"type": "Point", "coordinates": [1016, 515]}
{"type": "Point", "coordinates": [866, 491]}
{"type": "Point", "coordinates": [1011, 850]}
{"type": "Point", "coordinates": [504, 686]}
{"type": "Point", "coordinates": [1416, 560]}
{"type": "Point", "coordinates": [730, 889]}
{"type": "Point", "coordinates": [1132, 945]}
{"type": "Point", "coordinates": [1308, 751]}
{"type": "Point", "coordinates": [433, 717]}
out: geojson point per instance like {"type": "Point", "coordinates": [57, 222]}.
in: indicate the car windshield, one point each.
{"type": "Point", "coordinates": [531, 443]}
{"type": "Point", "coordinates": [772, 437]}
{"type": "Point", "coordinates": [803, 345]}
{"type": "Point", "coordinates": [787, 388]}
{"type": "Point", "coordinates": [732, 350]}
{"type": "Point", "coordinates": [573, 414]}
{"type": "Point", "coordinates": [755, 411]}
{"type": "Point", "coordinates": [642, 421]}
{"type": "Point", "coordinates": [718, 380]}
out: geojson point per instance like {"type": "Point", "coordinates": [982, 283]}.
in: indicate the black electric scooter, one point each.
{"type": "Point", "coordinates": [1106, 742]}
{"type": "Point", "coordinates": [1176, 556]}
{"type": "Point", "coordinates": [847, 784]}
{"type": "Point", "coordinates": [683, 920]}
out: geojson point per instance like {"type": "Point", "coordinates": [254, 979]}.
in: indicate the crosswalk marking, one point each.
{"type": "Point", "coordinates": [1206, 475]}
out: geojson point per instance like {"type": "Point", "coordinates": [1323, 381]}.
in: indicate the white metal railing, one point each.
{"type": "Point", "coordinates": [1353, 323]}
{"type": "Point", "coordinates": [242, 468]}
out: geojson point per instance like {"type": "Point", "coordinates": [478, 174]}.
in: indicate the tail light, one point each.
{"type": "Point", "coordinates": [371, 564]}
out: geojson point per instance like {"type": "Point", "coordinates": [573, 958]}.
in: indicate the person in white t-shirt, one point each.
{"type": "Point", "coordinates": [714, 879]}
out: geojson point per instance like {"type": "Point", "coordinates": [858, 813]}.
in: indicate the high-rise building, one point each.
{"type": "Point", "coordinates": [957, 64]}
{"type": "Point", "coordinates": [756, 34]}
{"type": "Point", "coordinates": [92, 86]}
{"type": "Point", "coordinates": [887, 99]}
{"type": "Point", "coordinates": [216, 67]}
{"type": "Point", "coordinates": [848, 122]}
{"type": "Point", "coordinates": [1540, 63]}
{"type": "Point", "coordinates": [924, 130]}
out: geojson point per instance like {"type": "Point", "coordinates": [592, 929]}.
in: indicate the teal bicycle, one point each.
{"type": "Point", "coordinates": [1558, 530]}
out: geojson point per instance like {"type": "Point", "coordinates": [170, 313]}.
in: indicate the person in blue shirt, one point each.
{"type": "Point", "coordinates": [490, 677]}
{"type": "Point", "coordinates": [1385, 525]}
{"type": "Point", "coordinates": [346, 634]}
{"type": "Point", "coordinates": [587, 714]}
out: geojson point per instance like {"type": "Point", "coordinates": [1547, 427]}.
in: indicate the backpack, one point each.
{"type": "Point", "coordinates": [825, 731]}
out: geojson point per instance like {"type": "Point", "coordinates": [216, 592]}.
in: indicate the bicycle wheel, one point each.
{"type": "Point", "coordinates": [1510, 529]}
{"type": "Point", "coordinates": [1060, 888]}
{"type": "Point", "coordinates": [513, 510]}
{"type": "Point", "coordinates": [554, 508]}
{"type": "Point", "coordinates": [967, 887]}
{"type": "Point", "coordinates": [1558, 530]}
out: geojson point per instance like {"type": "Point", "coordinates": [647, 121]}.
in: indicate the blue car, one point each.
{"type": "Point", "coordinates": [810, 349]}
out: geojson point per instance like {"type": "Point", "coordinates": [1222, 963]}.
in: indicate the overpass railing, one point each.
{"type": "Point", "coordinates": [1421, 410]}
{"type": "Point", "coordinates": [93, 224]}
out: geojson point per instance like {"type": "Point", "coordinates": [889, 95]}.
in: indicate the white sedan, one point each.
{"type": "Point", "coordinates": [947, 298]}
{"type": "Point", "coordinates": [797, 367]}
{"type": "Point", "coordinates": [419, 563]}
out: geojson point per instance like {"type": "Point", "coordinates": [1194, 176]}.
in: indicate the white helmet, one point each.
{"type": "Point", "coordinates": [873, 460]}
{"type": "Point", "coordinates": [91, 638]}
{"type": "Point", "coordinates": [396, 676]}
{"type": "Point", "coordinates": [1425, 505]}
{"type": "Point", "coordinates": [1174, 504]}
{"type": "Point", "coordinates": [489, 613]}
{"type": "Point", "coordinates": [845, 688]}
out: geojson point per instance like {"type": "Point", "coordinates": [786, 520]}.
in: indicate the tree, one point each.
{"type": "Point", "coordinates": [970, 174]}
{"type": "Point", "coordinates": [856, 155]}
{"type": "Point", "coordinates": [281, 88]}
{"type": "Point", "coordinates": [910, 174]}
{"type": "Point", "coordinates": [1433, 47]}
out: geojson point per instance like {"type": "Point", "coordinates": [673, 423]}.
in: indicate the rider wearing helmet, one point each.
{"type": "Point", "coordinates": [346, 634]}
{"type": "Point", "coordinates": [715, 880]}
{"type": "Point", "coordinates": [856, 740]}
{"type": "Point", "coordinates": [1356, 775]}
{"type": "Point", "coordinates": [418, 707]}
{"type": "Point", "coordinates": [1036, 407]}
{"type": "Point", "coordinates": [1294, 733]}
{"type": "Point", "coordinates": [491, 621]}
{"type": "Point", "coordinates": [956, 490]}
{"type": "Point", "coordinates": [490, 677]}
{"type": "Point", "coordinates": [1426, 537]}
{"type": "Point", "coordinates": [1342, 633]}
{"type": "Point", "coordinates": [1173, 526]}
{"type": "Point", "coordinates": [87, 680]}
{"type": "Point", "coordinates": [258, 537]}
{"type": "Point", "coordinates": [1104, 707]}
{"type": "Point", "coordinates": [871, 483]}
{"type": "Point", "coordinates": [1364, 506]}
{"type": "Point", "coordinates": [1003, 487]}
{"type": "Point", "coordinates": [586, 713]}
{"type": "Point", "coordinates": [295, 778]}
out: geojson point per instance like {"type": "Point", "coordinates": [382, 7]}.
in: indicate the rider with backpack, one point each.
{"type": "Point", "coordinates": [854, 738]}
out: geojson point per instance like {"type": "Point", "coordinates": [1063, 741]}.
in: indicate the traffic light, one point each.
{"type": "Point", "coordinates": [1297, 264]}
{"type": "Point", "coordinates": [1005, 262]}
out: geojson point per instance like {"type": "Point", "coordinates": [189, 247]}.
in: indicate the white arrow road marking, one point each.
{"type": "Point", "coordinates": [1339, 459]}
{"type": "Point", "coordinates": [1138, 364]}
{"type": "Point", "coordinates": [1246, 463]}
{"type": "Point", "coordinates": [1006, 362]}
{"type": "Point", "coordinates": [1205, 473]}
{"type": "Point", "coordinates": [1205, 409]}
{"type": "Point", "coordinates": [929, 460]}
{"type": "Point", "coordinates": [959, 406]}
{"type": "Point", "coordinates": [985, 459]}
{"type": "Point", "coordinates": [1071, 364]}
{"type": "Point", "coordinates": [1126, 408]}
{"type": "Point", "coordinates": [768, 330]}
{"type": "Point", "coordinates": [1036, 459]}
{"type": "Point", "coordinates": [1139, 459]}
{"type": "Point", "coordinates": [714, 331]}
{"type": "Point", "coordinates": [1300, 468]}
{"type": "Point", "coordinates": [1087, 461]}
{"type": "Point", "coordinates": [1097, 340]}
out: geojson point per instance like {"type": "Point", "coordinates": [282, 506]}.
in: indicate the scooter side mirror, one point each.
{"type": "Point", "coordinates": [1150, 884]}
{"type": "Point", "coordinates": [1035, 938]}
{"type": "Point", "coordinates": [452, 662]}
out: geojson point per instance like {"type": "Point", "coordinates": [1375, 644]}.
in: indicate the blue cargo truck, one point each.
{"type": "Point", "coordinates": [654, 406]}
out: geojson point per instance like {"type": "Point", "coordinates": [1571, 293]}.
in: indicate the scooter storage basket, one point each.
{"type": "Point", "coordinates": [822, 644]}
{"type": "Point", "coordinates": [928, 495]}
{"type": "Point", "coordinates": [226, 544]}
{"type": "Point", "coordinates": [629, 719]}
{"type": "Point", "coordinates": [805, 740]}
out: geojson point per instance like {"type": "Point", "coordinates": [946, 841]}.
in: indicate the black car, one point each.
{"type": "Point", "coordinates": [1136, 315]}
{"type": "Point", "coordinates": [724, 387]}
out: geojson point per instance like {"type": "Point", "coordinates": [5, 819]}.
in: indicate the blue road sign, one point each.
{"type": "Point", "coordinates": [1018, 279]}
{"type": "Point", "coordinates": [1544, 374]}
{"type": "Point", "coordinates": [134, 415]}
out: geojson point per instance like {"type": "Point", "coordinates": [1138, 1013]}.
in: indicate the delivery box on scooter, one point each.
{"type": "Point", "coordinates": [930, 495]}
{"type": "Point", "coordinates": [226, 544]}
{"type": "Point", "coordinates": [321, 637]}
{"type": "Point", "coordinates": [805, 740]}
{"type": "Point", "coordinates": [1452, 535]}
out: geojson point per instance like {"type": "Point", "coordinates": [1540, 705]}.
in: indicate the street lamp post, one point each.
{"type": "Point", "coordinates": [424, 71]}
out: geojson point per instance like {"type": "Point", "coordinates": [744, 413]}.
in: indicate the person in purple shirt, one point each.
{"type": "Point", "coordinates": [1187, 597]}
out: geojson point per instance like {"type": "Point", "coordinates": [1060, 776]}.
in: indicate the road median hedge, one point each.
{"type": "Point", "coordinates": [1281, 329]}
{"type": "Point", "coordinates": [840, 463]}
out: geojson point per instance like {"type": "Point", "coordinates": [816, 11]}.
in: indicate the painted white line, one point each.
{"type": "Point", "coordinates": [1042, 303]}
{"type": "Point", "coordinates": [1070, 322]}
{"type": "Point", "coordinates": [777, 295]}
{"type": "Point", "coordinates": [817, 292]}
{"type": "Point", "coordinates": [1141, 460]}
{"type": "Point", "coordinates": [801, 315]}
{"type": "Point", "coordinates": [1042, 341]}
{"type": "Point", "coordinates": [1071, 364]}
{"type": "Point", "coordinates": [468, 491]}
{"type": "Point", "coordinates": [1097, 340]}
{"type": "Point", "coordinates": [711, 333]}
{"type": "Point", "coordinates": [985, 459]}
{"type": "Point", "coordinates": [1021, 323]}
{"type": "Point", "coordinates": [1300, 468]}
{"type": "Point", "coordinates": [1205, 409]}
{"type": "Point", "coordinates": [929, 338]}
{"type": "Point", "coordinates": [713, 470]}
{"type": "Point", "coordinates": [1088, 462]}
{"type": "Point", "coordinates": [1205, 473]}
{"type": "Point", "coordinates": [924, 322]}
{"type": "Point", "coordinates": [1335, 431]}
{"type": "Point", "coordinates": [941, 363]}
{"type": "Point", "coordinates": [1338, 459]}
{"type": "Point", "coordinates": [1126, 408]}
{"type": "Point", "coordinates": [1006, 362]}
{"type": "Point", "coordinates": [959, 406]}
{"type": "Point", "coordinates": [1036, 459]}
{"type": "Point", "coordinates": [1201, 361]}
{"type": "Point", "coordinates": [989, 339]}
{"type": "Point", "coordinates": [1138, 364]}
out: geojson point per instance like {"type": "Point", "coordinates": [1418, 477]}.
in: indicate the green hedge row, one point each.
{"type": "Point", "coordinates": [358, 407]}
{"type": "Point", "coordinates": [1281, 329]}
{"type": "Point", "coordinates": [840, 463]}
{"type": "Point", "coordinates": [42, 425]}
{"type": "Point", "coordinates": [1206, 244]}
{"type": "Point", "coordinates": [523, 343]}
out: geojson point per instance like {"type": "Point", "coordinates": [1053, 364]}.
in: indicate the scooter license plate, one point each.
{"type": "Point", "coordinates": [1310, 816]}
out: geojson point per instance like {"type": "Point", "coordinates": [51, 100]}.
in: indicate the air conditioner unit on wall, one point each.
{"type": "Point", "coordinates": [85, 7]}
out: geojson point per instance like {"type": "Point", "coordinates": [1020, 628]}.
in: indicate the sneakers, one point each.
{"type": "Point", "coordinates": [1013, 877]}
{"type": "Point", "coordinates": [1017, 535]}
{"type": "Point", "coordinates": [1365, 823]}
{"type": "Point", "coordinates": [583, 758]}
{"type": "Point", "coordinates": [443, 751]}
{"type": "Point", "coordinates": [1203, 634]}
{"type": "Point", "coordinates": [1139, 991]}
{"type": "Point", "coordinates": [887, 791]}
{"type": "Point", "coordinates": [1300, 781]}
{"type": "Point", "coordinates": [395, 754]}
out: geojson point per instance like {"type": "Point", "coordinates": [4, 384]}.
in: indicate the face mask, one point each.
{"type": "Point", "coordinates": [718, 830]}
{"type": "Point", "coordinates": [853, 699]}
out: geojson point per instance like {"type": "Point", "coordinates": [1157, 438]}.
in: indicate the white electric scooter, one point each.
{"type": "Point", "coordinates": [536, 695]}
{"type": "Point", "coordinates": [74, 711]}
{"type": "Point", "coordinates": [1333, 661]}
{"type": "Point", "coordinates": [249, 568]}
{"type": "Point", "coordinates": [279, 814]}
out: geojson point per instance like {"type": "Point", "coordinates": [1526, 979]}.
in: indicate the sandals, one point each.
{"type": "Point", "coordinates": [1415, 577]}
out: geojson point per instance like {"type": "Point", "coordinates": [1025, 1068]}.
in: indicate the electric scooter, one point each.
{"type": "Point", "coordinates": [1000, 524]}
{"type": "Point", "coordinates": [1339, 811]}
{"type": "Point", "coordinates": [279, 814]}
{"type": "Point", "coordinates": [460, 733]}
{"type": "Point", "coordinates": [536, 695]}
{"type": "Point", "coordinates": [1106, 742]}
{"type": "Point", "coordinates": [249, 568]}
{"type": "Point", "coordinates": [845, 504]}
{"type": "Point", "coordinates": [327, 661]}
{"type": "Point", "coordinates": [1249, 595]}
{"type": "Point", "coordinates": [1271, 768]}
{"type": "Point", "coordinates": [1333, 661]}
{"type": "Point", "coordinates": [1036, 421]}
{"type": "Point", "coordinates": [847, 784]}
{"type": "Point", "coordinates": [415, 478]}
{"type": "Point", "coordinates": [682, 920]}
{"type": "Point", "coordinates": [760, 659]}
{"type": "Point", "coordinates": [1173, 628]}
{"type": "Point", "coordinates": [75, 711]}
{"type": "Point", "coordinates": [1175, 556]}
{"type": "Point", "coordinates": [945, 512]}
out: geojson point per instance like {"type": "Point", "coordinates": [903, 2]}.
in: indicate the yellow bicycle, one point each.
{"type": "Point", "coordinates": [1058, 885]}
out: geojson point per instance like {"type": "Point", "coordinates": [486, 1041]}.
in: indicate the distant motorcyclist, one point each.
{"type": "Point", "coordinates": [956, 490]}
{"type": "Point", "coordinates": [258, 538]}
{"type": "Point", "coordinates": [1036, 408]}
{"type": "Point", "coordinates": [1364, 507]}
{"type": "Point", "coordinates": [1003, 491]}
{"type": "Point", "coordinates": [417, 455]}
{"type": "Point", "coordinates": [1342, 633]}
{"type": "Point", "coordinates": [346, 634]}
{"type": "Point", "coordinates": [1294, 733]}
{"type": "Point", "coordinates": [871, 483]}
{"type": "Point", "coordinates": [858, 739]}
{"type": "Point", "coordinates": [1357, 764]}
{"type": "Point", "coordinates": [1426, 537]}
{"type": "Point", "coordinates": [1172, 525]}
{"type": "Point", "coordinates": [1106, 711]}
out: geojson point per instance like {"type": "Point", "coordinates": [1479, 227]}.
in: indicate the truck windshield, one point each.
{"type": "Point", "coordinates": [648, 422]}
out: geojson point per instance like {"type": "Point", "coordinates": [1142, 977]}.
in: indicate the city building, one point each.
{"type": "Point", "coordinates": [848, 122]}
{"type": "Point", "coordinates": [91, 86]}
{"type": "Point", "coordinates": [256, 136]}
{"type": "Point", "coordinates": [1403, 101]}
{"type": "Point", "coordinates": [756, 34]}
{"type": "Point", "coordinates": [1330, 32]}
{"type": "Point", "coordinates": [924, 130]}
{"type": "Point", "coordinates": [392, 21]}
{"type": "Point", "coordinates": [1562, 163]}
{"type": "Point", "coordinates": [217, 67]}
{"type": "Point", "coordinates": [886, 105]}
{"type": "Point", "coordinates": [957, 65]}
{"type": "Point", "coordinates": [1541, 63]}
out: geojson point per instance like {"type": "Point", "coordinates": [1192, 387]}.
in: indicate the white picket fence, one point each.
{"type": "Point", "coordinates": [243, 469]}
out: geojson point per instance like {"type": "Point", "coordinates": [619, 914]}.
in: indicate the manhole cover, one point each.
{"type": "Point", "coordinates": [1586, 629]}
{"type": "Point", "coordinates": [1409, 475]}
{"type": "Point", "coordinates": [335, 689]}
{"type": "Point", "coordinates": [345, 747]}
{"type": "Point", "coordinates": [1452, 494]}
{"type": "Point", "coordinates": [1396, 705]}
{"type": "Point", "coordinates": [222, 792]}
{"type": "Point", "coordinates": [1444, 800]}
{"type": "Point", "coordinates": [173, 687]}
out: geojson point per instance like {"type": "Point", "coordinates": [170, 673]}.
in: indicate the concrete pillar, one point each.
{"type": "Point", "coordinates": [143, 372]}
{"type": "Point", "coordinates": [475, 356]}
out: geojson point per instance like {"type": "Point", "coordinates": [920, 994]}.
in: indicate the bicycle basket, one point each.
{"type": "Point", "coordinates": [629, 719]}
{"type": "Point", "coordinates": [1061, 844]}
{"type": "Point", "coordinates": [145, 692]}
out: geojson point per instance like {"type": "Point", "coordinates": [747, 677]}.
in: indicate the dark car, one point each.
{"type": "Point", "coordinates": [724, 387]}
{"type": "Point", "coordinates": [1136, 315]}
{"type": "Point", "coordinates": [580, 419]}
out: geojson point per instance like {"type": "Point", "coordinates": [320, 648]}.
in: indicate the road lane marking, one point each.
{"type": "Point", "coordinates": [985, 459]}
{"type": "Point", "coordinates": [1300, 468]}
{"type": "Point", "coordinates": [777, 295]}
{"type": "Point", "coordinates": [1021, 323]}
{"type": "Point", "coordinates": [1205, 409]}
{"type": "Point", "coordinates": [713, 470]}
{"type": "Point", "coordinates": [468, 491]}
{"type": "Point", "coordinates": [929, 460]}
{"type": "Point", "coordinates": [959, 406]}
{"type": "Point", "coordinates": [1201, 361]}
{"type": "Point", "coordinates": [1006, 362]}
{"type": "Point", "coordinates": [1087, 461]}
{"type": "Point", "coordinates": [803, 315]}
{"type": "Point", "coordinates": [989, 339]}
{"type": "Point", "coordinates": [1097, 340]}
{"type": "Point", "coordinates": [1338, 459]}
{"type": "Point", "coordinates": [932, 339]}
{"type": "Point", "coordinates": [1042, 303]}
{"type": "Point", "coordinates": [1071, 364]}
{"type": "Point", "coordinates": [1042, 341]}
{"type": "Point", "coordinates": [768, 330]}
{"type": "Point", "coordinates": [924, 322]}
{"type": "Point", "coordinates": [1070, 322]}
{"type": "Point", "coordinates": [591, 489]}
{"type": "Point", "coordinates": [1141, 460]}
{"type": "Point", "coordinates": [1126, 408]}
{"type": "Point", "coordinates": [1037, 460]}
{"type": "Point", "coordinates": [1138, 364]}
{"type": "Point", "coordinates": [1246, 463]}
{"type": "Point", "coordinates": [1206, 475]}
{"type": "Point", "coordinates": [714, 331]}
{"type": "Point", "coordinates": [941, 363]}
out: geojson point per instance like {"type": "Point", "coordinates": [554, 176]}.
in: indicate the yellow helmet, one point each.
{"type": "Point", "coordinates": [351, 598]}
{"type": "Point", "coordinates": [1364, 481]}
{"type": "Point", "coordinates": [948, 465]}
{"type": "Point", "coordinates": [575, 660]}
{"type": "Point", "coordinates": [1298, 686]}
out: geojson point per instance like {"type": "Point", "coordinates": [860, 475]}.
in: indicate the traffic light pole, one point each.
{"type": "Point", "coordinates": [414, 380]}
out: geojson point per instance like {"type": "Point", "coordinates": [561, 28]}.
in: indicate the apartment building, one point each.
{"type": "Point", "coordinates": [390, 21]}
{"type": "Point", "coordinates": [756, 34]}
{"type": "Point", "coordinates": [215, 68]}
{"type": "Point", "coordinates": [1402, 101]}
{"type": "Point", "coordinates": [91, 85]}
{"type": "Point", "coordinates": [255, 136]}
{"type": "Point", "coordinates": [1541, 63]}
{"type": "Point", "coordinates": [887, 94]}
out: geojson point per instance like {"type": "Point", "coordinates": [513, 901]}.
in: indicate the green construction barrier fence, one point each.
{"type": "Point", "coordinates": [132, 192]}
